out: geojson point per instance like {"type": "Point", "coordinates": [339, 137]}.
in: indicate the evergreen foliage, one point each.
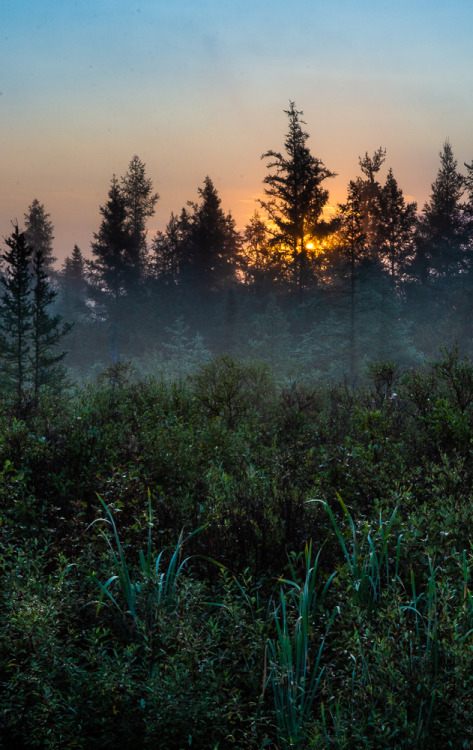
{"type": "Point", "coordinates": [441, 230]}
{"type": "Point", "coordinates": [16, 309]}
{"type": "Point", "coordinates": [29, 334]}
{"type": "Point", "coordinates": [39, 233]}
{"type": "Point", "coordinates": [210, 242]}
{"type": "Point", "coordinates": [46, 332]}
{"type": "Point", "coordinates": [295, 198]}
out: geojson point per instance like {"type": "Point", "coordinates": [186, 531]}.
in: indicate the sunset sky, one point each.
{"type": "Point", "coordinates": [197, 87]}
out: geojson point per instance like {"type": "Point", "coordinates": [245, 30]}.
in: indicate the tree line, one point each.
{"type": "Point", "coordinates": [376, 278]}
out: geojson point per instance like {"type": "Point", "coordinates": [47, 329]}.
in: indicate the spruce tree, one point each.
{"type": "Point", "coordinates": [46, 332]}
{"type": "Point", "coordinates": [441, 238]}
{"type": "Point", "coordinates": [114, 271]}
{"type": "Point", "coordinates": [74, 285]}
{"type": "Point", "coordinates": [16, 317]}
{"type": "Point", "coordinates": [39, 233]}
{"type": "Point", "coordinates": [140, 201]}
{"type": "Point", "coordinates": [295, 199]}
{"type": "Point", "coordinates": [352, 239]}
{"type": "Point", "coordinates": [210, 242]}
{"type": "Point", "coordinates": [395, 225]}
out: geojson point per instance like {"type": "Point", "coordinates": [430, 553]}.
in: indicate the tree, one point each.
{"type": "Point", "coordinates": [15, 315]}
{"type": "Point", "coordinates": [296, 198]}
{"type": "Point", "coordinates": [74, 284]}
{"type": "Point", "coordinates": [139, 201]}
{"type": "Point", "coordinates": [441, 238]}
{"type": "Point", "coordinates": [39, 233]}
{"type": "Point", "coordinates": [114, 270]}
{"type": "Point", "coordinates": [210, 242]}
{"type": "Point", "coordinates": [167, 251]}
{"type": "Point", "coordinates": [261, 264]}
{"type": "Point", "coordinates": [395, 225]}
{"type": "Point", "coordinates": [352, 238]}
{"type": "Point", "coordinates": [370, 191]}
{"type": "Point", "coordinates": [46, 331]}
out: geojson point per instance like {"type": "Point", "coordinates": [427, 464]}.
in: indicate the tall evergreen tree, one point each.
{"type": "Point", "coordinates": [441, 238]}
{"type": "Point", "coordinates": [140, 202]}
{"type": "Point", "coordinates": [295, 198]}
{"type": "Point", "coordinates": [261, 264]}
{"type": "Point", "coordinates": [352, 239]}
{"type": "Point", "coordinates": [370, 190]}
{"type": "Point", "coordinates": [210, 241]}
{"type": "Point", "coordinates": [39, 233]}
{"type": "Point", "coordinates": [46, 331]}
{"type": "Point", "coordinates": [114, 270]}
{"type": "Point", "coordinates": [167, 248]}
{"type": "Point", "coordinates": [395, 225]}
{"type": "Point", "coordinates": [74, 284]}
{"type": "Point", "coordinates": [16, 316]}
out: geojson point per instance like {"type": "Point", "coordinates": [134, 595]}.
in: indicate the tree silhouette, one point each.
{"type": "Point", "coordinates": [210, 241]}
{"type": "Point", "coordinates": [352, 239]}
{"type": "Point", "coordinates": [395, 225]}
{"type": "Point", "coordinates": [440, 246]}
{"type": "Point", "coordinates": [46, 332]}
{"type": "Point", "coordinates": [140, 202]}
{"type": "Point", "coordinates": [295, 197]}
{"type": "Point", "coordinates": [15, 316]}
{"type": "Point", "coordinates": [39, 233]}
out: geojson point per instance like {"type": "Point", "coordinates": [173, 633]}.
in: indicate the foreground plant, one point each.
{"type": "Point", "coordinates": [160, 583]}
{"type": "Point", "coordinates": [294, 678]}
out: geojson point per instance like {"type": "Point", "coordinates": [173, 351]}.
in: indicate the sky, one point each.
{"type": "Point", "coordinates": [199, 87]}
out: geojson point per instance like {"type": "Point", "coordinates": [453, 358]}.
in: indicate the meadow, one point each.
{"type": "Point", "coordinates": [226, 561]}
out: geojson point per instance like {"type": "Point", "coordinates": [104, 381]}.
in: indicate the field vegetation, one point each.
{"type": "Point", "coordinates": [225, 560]}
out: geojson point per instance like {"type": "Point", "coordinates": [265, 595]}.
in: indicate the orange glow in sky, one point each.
{"type": "Point", "coordinates": [198, 89]}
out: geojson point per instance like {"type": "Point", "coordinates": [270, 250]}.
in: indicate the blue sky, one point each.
{"type": "Point", "coordinates": [197, 88]}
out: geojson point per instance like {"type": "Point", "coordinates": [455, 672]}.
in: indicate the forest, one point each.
{"type": "Point", "coordinates": [236, 469]}
{"type": "Point", "coordinates": [311, 293]}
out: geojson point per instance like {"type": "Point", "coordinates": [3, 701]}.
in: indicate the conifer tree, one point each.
{"type": "Point", "coordinates": [262, 264]}
{"type": "Point", "coordinates": [370, 190]}
{"type": "Point", "coordinates": [16, 316]}
{"type": "Point", "coordinates": [46, 332]}
{"type": "Point", "coordinates": [140, 201]}
{"type": "Point", "coordinates": [210, 241]}
{"type": "Point", "coordinates": [167, 249]}
{"type": "Point", "coordinates": [441, 238]}
{"type": "Point", "coordinates": [295, 197]}
{"type": "Point", "coordinates": [395, 225]}
{"type": "Point", "coordinates": [352, 238]}
{"type": "Point", "coordinates": [74, 284]}
{"type": "Point", "coordinates": [115, 269]}
{"type": "Point", "coordinates": [39, 233]}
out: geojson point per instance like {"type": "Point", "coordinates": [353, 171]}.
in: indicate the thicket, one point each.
{"type": "Point", "coordinates": [224, 562]}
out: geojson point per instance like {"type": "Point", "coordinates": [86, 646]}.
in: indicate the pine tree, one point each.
{"type": "Point", "coordinates": [39, 233]}
{"type": "Point", "coordinates": [140, 202]}
{"type": "Point", "coordinates": [441, 238]}
{"type": "Point", "coordinates": [16, 316]}
{"type": "Point", "coordinates": [395, 225]}
{"type": "Point", "coordinates": [261, 264]}
{"type": "Point", "coordinates": [352, 238]}
{"type": "Point", "coordinates": [167, 249]}
{"type": "Point", "coordinates": [296, 198]}
{"type": "Point", "coordinates": [46, 332]}
{"type": "Point", "coordinates": [74, 285]}
{"type": "Point", "coordinates": [114, 270]}
{"type": "Point", "coordinates": [210, 241]}
{"type": "Point", "coordinates": [370, 191]}
{"type": "Point", "coordinates": [28, 334]}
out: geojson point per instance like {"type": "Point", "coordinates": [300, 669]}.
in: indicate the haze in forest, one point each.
{"type": "Point", "coordinates": [309, 294]}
